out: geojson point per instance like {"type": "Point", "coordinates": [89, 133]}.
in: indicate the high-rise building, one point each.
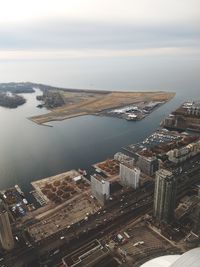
{"type": "Point", "coordinates": [164, 196]}
{"type": "Point", "coordinates": [148, 164]}
{"type": "Point", "coordinates": [129, 176]}
{"type": "Point", "coordinates": [6, 236]}
{"type": "Point", "coordinates": [100, 188]}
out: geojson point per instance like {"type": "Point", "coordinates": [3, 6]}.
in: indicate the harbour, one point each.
{"type": "Point", "coordinates": [31, 151]}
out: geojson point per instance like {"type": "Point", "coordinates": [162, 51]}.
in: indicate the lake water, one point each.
{"type": "Point", "coordinates": [30, 151]}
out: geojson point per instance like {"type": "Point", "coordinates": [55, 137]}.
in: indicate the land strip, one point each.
{"type": "Point", "coordinates": [79, 103]}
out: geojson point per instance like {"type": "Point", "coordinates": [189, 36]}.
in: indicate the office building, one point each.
{"type": "Point", "coordinates": [100, 188]}
{"type": "Point", "coordinates": [148, 164]}
{"type": "Point", "coordinates": [129, 176]}
{"type": "Point", "coordinates": [164, 196]}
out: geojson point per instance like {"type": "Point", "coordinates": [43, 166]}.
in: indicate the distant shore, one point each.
{"type": "Point", "coordinates": [95, 103]}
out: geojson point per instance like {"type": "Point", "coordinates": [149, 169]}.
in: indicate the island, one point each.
{"type": "Point", "coordinates": [9, 94]}
{"type": "Point", "coordinates": [65, 103]}
{"type": "Point", "coordinates": [68, 103]}
{"type": "Point", "coordinates": [11, 100]}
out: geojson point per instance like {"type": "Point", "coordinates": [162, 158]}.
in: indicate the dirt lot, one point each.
{"type": "Point", "coordinates": [86, 103]}
{"type": "Point", "coordinates": [62, 218]}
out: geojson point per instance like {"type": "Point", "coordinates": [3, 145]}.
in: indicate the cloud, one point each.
{"type": "Point", "coordinates": [7, 55]}
{"type": "Point", "coordinates": [125, 11]}
{"type": "Point", "coordinates": [65, 34]}
{"type": "Point", "coordinates": [54, 29]}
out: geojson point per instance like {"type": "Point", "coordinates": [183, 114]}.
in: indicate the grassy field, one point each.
{"type": "Point", "coordinates": [86, 103]}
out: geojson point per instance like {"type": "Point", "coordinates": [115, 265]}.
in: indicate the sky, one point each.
{"type": "Point", "coordinates": [101, 28]}
{"type": "Point", "coordinates": [42, 30]}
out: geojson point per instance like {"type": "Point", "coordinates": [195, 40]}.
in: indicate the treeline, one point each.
{"type": "Point", "coordinates": [51, 99]}
{"type": "Point", "coordinates": [17, 88]}
{"type": "Point", "coordinates": [11, 101]}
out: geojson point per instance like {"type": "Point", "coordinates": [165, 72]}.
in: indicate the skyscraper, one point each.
{"type": "Point", "coordinates": [100, 188]}
{"type": "Point", "coordinates": [6, 236]}
{"type": "Point", "coordinates": [164, 195]}
{"type": "Point", "coordinates": [148, 164]}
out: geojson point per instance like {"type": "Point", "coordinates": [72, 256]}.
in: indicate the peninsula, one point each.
{"type": "Point", "coordinates": [65, 103]}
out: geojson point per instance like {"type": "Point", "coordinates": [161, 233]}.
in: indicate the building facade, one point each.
{"type": "Point", "coordinates": [148, 165]}
{"type": "Point", "coordinates": [179, 155]}
{"type": "Point", "coordinates": [100, 188]}
{"type": "Point", "coordinates": [129, 176]}
{"type": "Point", "coordinates": [164, 196]}
{"type": "Point", "coordinates": [194, 109]}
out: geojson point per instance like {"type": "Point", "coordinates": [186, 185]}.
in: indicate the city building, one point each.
{"type": "Point", "coordinates": [175, 122]}
{"type": "Point", "coordinates": [164, 196]}
{"type": "Point", "coordinates": [129, 176]}
{"type": "Point", "coordinates": [100, 188]}
{"type": "Point", "coordinates": [193, 108]}
{"type": "Point", "coordinates": [123, 158]}
{"type": "Point", "coordinates": [179, 155]}
{"type": "Point", "coordinates": [147, 163]}
{"type": "Point", "coordinates": [6, 236]}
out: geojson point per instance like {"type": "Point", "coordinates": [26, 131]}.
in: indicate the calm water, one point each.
{"type": "Point", "coordinates": [30, 151]}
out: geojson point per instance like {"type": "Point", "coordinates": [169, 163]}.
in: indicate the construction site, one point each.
{"type": "Point", "coordinates": [61, 187]}
{"type": "Point", "coordinates": [62, 217]}
{"type": "Point", "coordinates": [67, 201]}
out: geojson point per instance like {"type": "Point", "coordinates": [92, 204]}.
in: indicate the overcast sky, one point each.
{"type": "Point", "coordinates": [57, 29]}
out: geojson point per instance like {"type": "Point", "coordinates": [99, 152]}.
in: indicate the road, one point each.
{"type": "Point", "coordinates": [126, 206]}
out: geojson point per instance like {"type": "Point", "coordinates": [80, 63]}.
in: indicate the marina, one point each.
{"type": "Point", "coordinates": [158, 138]}
{"type": "Point", "coordinates": [135, 112]}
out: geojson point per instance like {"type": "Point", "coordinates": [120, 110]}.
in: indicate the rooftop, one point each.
{"type": "Point", "coordinates": [60, 187]}
{"type": "Point", "coordinates": [110, 167]}
{"type": "Point", "coordinates": [87, 255]}
{"type": "Point", "coordinates": [164, 172]}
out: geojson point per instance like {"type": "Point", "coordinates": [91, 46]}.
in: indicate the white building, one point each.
{"type": "Point", "coordinates": [190, 258]}
{"type": "Point", "coordinates": [129, 176]}
{"type": "Point", "coordinates": [100, 188]}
